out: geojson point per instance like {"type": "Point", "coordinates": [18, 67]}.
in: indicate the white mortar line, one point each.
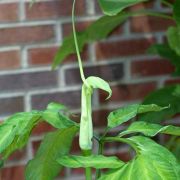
{"type": "Point", "coordinates": [90, 7]}
{"type": "Point", "coordinates": [22, 10]}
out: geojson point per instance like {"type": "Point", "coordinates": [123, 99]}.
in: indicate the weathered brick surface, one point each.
{"type": "Point", "coordinates": [41, 56]}
{"type": "Point", "coordinates": [112, 72]}
{"type": "Point", "coordinates": [147, 68]}
{"type": "Point", "coordinates": [26, 35]}
{"type": "Point", "coordinates": [80, 26]}
{"type": "Point", "coordinates": [73, 101]}
{"type": "Point", "coordinates": [128, 92]}
{"type": "Point", "coordinates": [27, 81]}
{"type": "Point", "coordinates": [8, 12]}
{"type": "Point", "coordinates": [107, 50]}
{"type": "Point", "coordinates": [15, 173]}
{"type": "Point", "coordinates": [11, 105]}
{"type": "Point", "coordinates": [10, 59]}
{"type": "Point", "coordinates": [45, 56]}
{"type": "Point", "coordinates": [149, 24]}
{"type": "Point", "coordinates": [29, 39]}
{"type": "Point", "coordinates": [53, 9]}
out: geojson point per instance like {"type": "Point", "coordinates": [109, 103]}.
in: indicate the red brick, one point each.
{"type": "Point", "coordinates": [128, 92]}
{"type": "Point", "coordinates": [123, 48]}
{"type": "Point", "coordinates": [26, 34]}
{"type": "Point", "coordinates": [45, 56]}
{"type": "Point", "coordinates": [41, 56]}
{"type": "Point", "coordinates": [42, 128]}
{"type": "Point", "coordinates": [146, 68]}
{"type": "Point", "coordinates": [100, 117]}
{"type": "Point", "coordinates": [123, 156]}
{"type": "Point", "coordinates": [35, 146]}
{"type": "Point", "coordinates": [140, 6]}
{"type": "Point", "coordinates": [8, 12]}
{"type": "Point", "coordinates": [69, 98]}
{"type": "Point", "coordinates": [53, 9]}
{"type": "Point", "coordinates": [9, 59]}
{"type": "Point", "coordinates": [11, 105]}
{"type": "Point", "coordinates": [28, 81]}
{"type": "Point", "coordinates": [80, 26]}
{"type": "Point", "coordinates": [109, 72]}
{"type": "Point", "coordinates": [172, 81]}
{"type": "Point", "coordinates": [18, 155]}
{"type": "Point", "coordinates": [75, 149]}
{"type": "Point", "coordinates": [149, 24]}
{"type": "Point", "coordinates": [13, 173]}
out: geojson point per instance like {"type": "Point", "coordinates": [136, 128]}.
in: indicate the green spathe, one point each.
{"type": "Point", "coordinates": [86, 125]}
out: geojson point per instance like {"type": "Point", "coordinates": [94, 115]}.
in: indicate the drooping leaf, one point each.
{"type": "Point", "coordinates": [149, 129]}
{"type": "Point", "coordinates": [176, 12]}
{"type": "Point", "coordinates": [54, 145]}
{"type": "Point", "coordinates": [113, 7]}
{"type": "Point", "coordinates": [166, 52]}
{"type": "Point", "coordinates": [173, 36]}
{"type": "Point", "coordinates": [152, 161]}
{"type": "Point", "coordinates": [99, 83]}
{"type": "Point", "coordinates": [126, 113]}
{"type": "Point", "coordinates": [98, 30]}
{"type": "Point", "coordinates": [15, 131]}
{"type": "Point", "coordinates": [163, 96]}
{"type": "Point", "coordinates": [94, 161]}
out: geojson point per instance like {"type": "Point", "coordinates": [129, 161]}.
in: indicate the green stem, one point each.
{"type": "Point", "coordinates": [100, 151]}
{"type": "Point", "coordinates": [76, 45]}
{"type": "Point", "coordinates": [88, 173]}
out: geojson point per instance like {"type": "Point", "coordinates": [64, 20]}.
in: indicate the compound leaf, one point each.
{"type": "Point", "coordinates": [54, 145]}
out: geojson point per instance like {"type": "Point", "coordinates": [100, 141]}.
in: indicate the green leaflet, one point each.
{"type": "Point", "coordinates": [166, 52]}
{"type": "Point", "coordinates": [94, 161]}
{"type": "Point", "coordinates": [173, 36]}
{"type": "Point", "coordinates": [152, 161]}
{"type": "Point", "coordinates": [126, 113]}
{"type": "Point", "coordinates": [113, 7]}
{"type": "Point", "coordinates": [54, 145]}
{"type": "Point", "coordinates": [55, 106]}
{"type": "Point", "coordinates": [98, 30]}
{"type": "Point", "coordinates": [14, 130]}
{"type": "Point", "coordinates": [176, 12]}
{"type": "Point", "coordinates": [149, 129]}
{"type": "Point", "coordinates": [99, 83]}
{"type": "Point", "coordinates": [56, 118]}
{"type": "Point", "coordinates": [163, 96]}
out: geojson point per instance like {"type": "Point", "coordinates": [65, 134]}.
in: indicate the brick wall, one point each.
{"type": "Point", "coordinates": [29, 39]}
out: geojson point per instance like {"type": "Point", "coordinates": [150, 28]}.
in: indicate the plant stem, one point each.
{"type": "Point", "coordinates": [76, 45]}
{"type": "Point", "coordinates": [88, 173]}
{"type": "Point", "coordinates": [100, 151]}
